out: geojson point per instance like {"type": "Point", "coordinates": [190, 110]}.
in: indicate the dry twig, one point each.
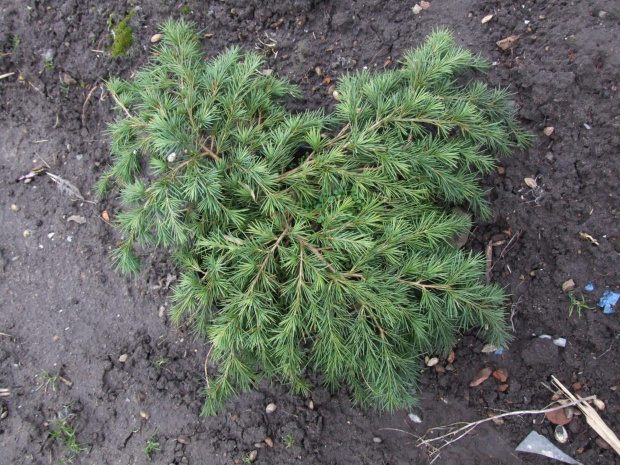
{"type": "Point", "coordinates": [460, 429]}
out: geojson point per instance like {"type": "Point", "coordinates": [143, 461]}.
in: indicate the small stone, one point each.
{"type": "Point", "coordinates": [77, 219]}
{"type": "Point", "coordinates": [488, 348]}
{"type": "Point", "coordinates": [568, 285]}
{"type": "Point", "coordinates": [123, 358]}
{"type": "Point", "coordinates": [336, 95]}
{"type": "Point", "coordinates": [481, 377]}
{"type": "Point", "coordinates": [269, 442]}
{"type": "Point", "coordinates": [602, 444]}
{"type": "Point", "coordinates": [55, 338]}
{"type": "Point", "coordinates": [377, 440]}
{"type": "Point", "coordinates": [415, 418]}
{"type": "Point", "coordinates": [171, 157]}
{"type": "Point", "coordinates": [183, 439]}
{"type": "Point", "coordinates": [501, 170]}
{"type": "Point", "coordinates": [486, 19]}
{"type": "Point", "coordinates": [145, 415]}
{"type": "Point", "coordinates": [26, 233]}
{"type": "Point", "coordinates": [577, 386]}
{"type": "Point", "coordinates": [318, 71]}
{"type": "Point", "coordinates": [602, 14]}
{"type": "Point", "coordinates": [439, 369]}
{"type": "Point", "coordinates": [271, 408]}
{"type": "Point", "coordinates": [431, 362]}
{"type": "Point", "coordinates": [425, 5]}
{"type": "Point", "coordinates": [162, 311]}
{"type": "Point", "coordinates": [253, 455]}
{"type": "Point", "coordinates": [502, 387]}
{"type": "Point", "coordinates": [507, 43]}
{"type": "Point", "coordinates": [68, 80]}
{"type": "Point", "coordinates": [558, 417]}
{"type": "Point", "coordinates": [51, 235]}
{"type": "Point", "coordinates": [531, 183]}
{"type": "Point", "coordinates": [560, 433]}
{"type": "Point", "coordinates": [497, 421]}
{"type": "Point", "coordinates": [311, 405]}
{"type": "Point", "coordinates": [15, 207]}
{"type": "Point", "coordinates": [267, 72]}
{"type": "Point", "coordinates": [501, 375]}
{"type": "Point", "coordinates": [416, 9]}
{"type": "Point", "coordinates": [156, 38]}
{"type": "Point", "coordinates": [599, 404]}
{"type": "Point", "coordinates": [548, 130]}
{"type": "Point", "coordinates": [451, 357]}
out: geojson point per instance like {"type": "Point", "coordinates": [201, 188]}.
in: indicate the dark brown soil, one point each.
{"type": "Point", "coordinates": [63, 309]}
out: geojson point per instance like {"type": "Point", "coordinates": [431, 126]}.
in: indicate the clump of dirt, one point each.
{"type": "Point", "coordinates": [68, 314]}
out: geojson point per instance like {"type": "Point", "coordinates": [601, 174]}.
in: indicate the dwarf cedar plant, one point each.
{"type": "Point", "coordinates": [306, 241]}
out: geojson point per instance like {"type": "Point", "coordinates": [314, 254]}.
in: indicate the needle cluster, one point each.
{"type": "Point", "coordinates": [309, 241]}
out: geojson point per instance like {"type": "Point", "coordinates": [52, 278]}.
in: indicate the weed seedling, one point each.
{"type": "Point", "coordinates": [66, 433]}
{"type": "Point", "coordinates": [47, 380]}
{"type": "Point", "coordinates": [152, 445]}
{"type": "Point", "coordinates": [161, 362]}
{"type": "Point", "coordinates": [578, 304]}
{"type": "Point", "coordinates": [289, 441]}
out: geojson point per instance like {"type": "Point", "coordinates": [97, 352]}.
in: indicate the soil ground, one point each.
{"type": "Point", "coordinates": [65, 312]}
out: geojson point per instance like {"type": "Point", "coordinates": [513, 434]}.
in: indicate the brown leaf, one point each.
{"type": "Point", "coordinates": [508, 42]}
{"type": "Point", "coordinates": [501, 375]}
{"type": "Point", "coordinates": [481, 377]}
{"type": "Point", "coordinates": [558, 417]}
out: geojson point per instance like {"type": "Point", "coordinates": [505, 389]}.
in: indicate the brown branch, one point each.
{"type": "Point", "coordinates": [120, 104]}
{"type": "Point", "coordinates": [440, 287]}
{"type": "Point", "coordinates": [318, 255]}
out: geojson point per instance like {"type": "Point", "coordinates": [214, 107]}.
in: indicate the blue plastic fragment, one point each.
{"type": "Point", "coordinates": [589, 287]}
{"type": "Point", "coordinates": [608, 300]}
{"type": "Point", "coordinates": [499, 351]}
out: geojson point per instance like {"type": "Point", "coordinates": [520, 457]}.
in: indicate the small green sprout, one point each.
{"type": "Point", "coordinates": [47, 380]}
{"type": "Point", "coordinates": [289, 441]}
{"type": "Point", "coordinates": [576, 303]}
{"type": "Point", "coordinates": [152, 445]}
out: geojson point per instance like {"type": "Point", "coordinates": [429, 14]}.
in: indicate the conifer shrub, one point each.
{"type": "Point", "coordinates": [310, 242]}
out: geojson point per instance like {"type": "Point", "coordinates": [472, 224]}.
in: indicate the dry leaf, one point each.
{"type": "Point", "coordinates": [531, 183]}
{"type": "Point", "coordinates": [481, 377]}
{"type": "Point", "coordinates": [487, 18]}
{"type": "Point", "coordinates": [451, 357]}
{"type": "Point", "coordinates": [508, 42]}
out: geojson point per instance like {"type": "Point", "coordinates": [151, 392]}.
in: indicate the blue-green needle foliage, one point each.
{"type": "Point", "coordinates": [307, 241]}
